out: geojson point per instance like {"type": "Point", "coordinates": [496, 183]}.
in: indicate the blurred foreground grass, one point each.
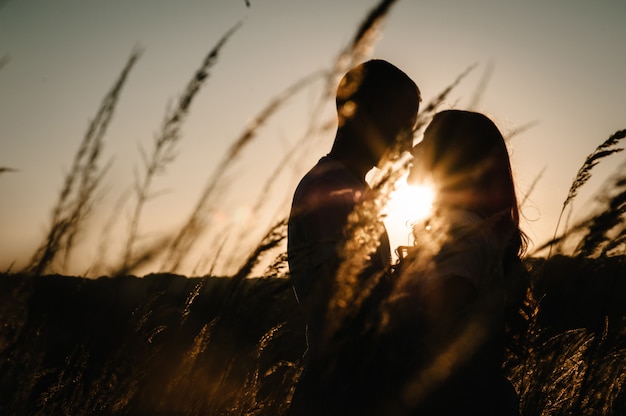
{"type": "Point", "coordinates": [168, 344]}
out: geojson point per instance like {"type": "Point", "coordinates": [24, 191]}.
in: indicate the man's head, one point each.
{"type": "Point", "coordinates": [379, 102]}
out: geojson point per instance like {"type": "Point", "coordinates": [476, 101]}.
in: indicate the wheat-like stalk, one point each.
{"type": "Point", "coordinates": [274, 236]}
{"type": "Point", "coordinates": [577, 229]}
{"type": "Point", "coordinates": [619, 240]}
{"type": "Point", "coordinates": [77, 196]}
{"type": "Point", "coordinates": [521, 129]}
{"type": "Point", "coordinates": [605, 149]}
{"type": "Point", "coordinates": [265, 190]}
{"type": "Point", "coordinates": [597, 236]}
{"type": "Point", "coordinates": [197, 220]}
{"type": "Point", "coordinates": [426, 113]}
{"type": "Point", "coordinates": [584, 173]}
{"type": "Point", "coordinates": [165, 143]}
{"type": "Point", "coordinates": [532, 187]}
{"type": "Point", "coordinates": [481, 87]}
{"type": "Point", "coordinates": [98, 267]}
{"type": "Point", "coordinates": [368, 32]}
{"type": "Point", "coordinates": [360, 46]}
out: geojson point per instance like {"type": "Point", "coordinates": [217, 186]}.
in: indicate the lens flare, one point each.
{"type": "Point", "coordinates": [409, 203]}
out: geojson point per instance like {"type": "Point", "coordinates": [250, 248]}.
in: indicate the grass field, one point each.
{"type": "Point", "coordinates": [168, 344]}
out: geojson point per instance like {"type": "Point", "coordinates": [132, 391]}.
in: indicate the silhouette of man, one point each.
{"type": "Point", "coordinates": [377, 107]}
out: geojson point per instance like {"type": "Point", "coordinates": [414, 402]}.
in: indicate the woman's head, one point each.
{"type": "Point", "coordinates": [464, 155]}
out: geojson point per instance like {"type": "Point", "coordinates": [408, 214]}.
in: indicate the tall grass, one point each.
{"type": "Point", "coordinates": [606, 148]}
{"type": "Point", "coordinates": [164, 148]}
{"type": "Point", "coordinates": [606, 231]}
{"type": "Point", "coordinates": [77, 197]}
{"type": "Point", "coordinates": [196, 223]}
{"type": "Point", "coordinates": [575, 371]}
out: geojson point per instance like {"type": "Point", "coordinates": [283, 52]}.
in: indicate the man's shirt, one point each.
{"type": "Point", "coordinates": [322, 203]}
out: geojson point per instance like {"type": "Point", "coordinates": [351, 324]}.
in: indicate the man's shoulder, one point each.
{"type": "Point", "coordinates": [328, 175]}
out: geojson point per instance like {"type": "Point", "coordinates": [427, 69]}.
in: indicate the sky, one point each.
{"type": "Point", "coordinates": [557, 66]}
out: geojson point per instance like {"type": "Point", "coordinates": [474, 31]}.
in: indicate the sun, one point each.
{"type": "Point", "coordinates": [407, 204]}
{"type": "Point", "coordinates": [410, 203]}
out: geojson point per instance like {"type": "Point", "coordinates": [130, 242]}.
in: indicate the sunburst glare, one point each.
{"type": "Point", "coordinates": [409, 203]}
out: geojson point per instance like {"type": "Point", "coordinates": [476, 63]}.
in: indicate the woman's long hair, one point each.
{"type": "Point", "coordinates": [463, 153]}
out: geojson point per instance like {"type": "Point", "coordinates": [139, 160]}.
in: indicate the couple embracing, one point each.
{"type": "Point", "coordinates": [428, 334]}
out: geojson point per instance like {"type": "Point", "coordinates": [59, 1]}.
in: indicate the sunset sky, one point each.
{"type": "Point", "coordinates": [556, 65]}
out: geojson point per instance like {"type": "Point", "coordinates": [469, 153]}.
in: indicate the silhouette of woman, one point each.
{"type": "Point", "coordinates": [464, 275]}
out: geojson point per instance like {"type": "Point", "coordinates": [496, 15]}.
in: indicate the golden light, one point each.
{"type": "Point", "coordinates": [408, 204]}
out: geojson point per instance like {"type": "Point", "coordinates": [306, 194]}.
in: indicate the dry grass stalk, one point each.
{"type": "Point", "coordinates": [521, 129]}
{"type": "Point", "coordinates": [223, 237]}
{"type": "Point", "coordinates": [577, 229]}
{"type": "Point", "coordinates": [368, 32]}
{"type": "Point", "coordinates": [481, 87]}
{"type": "Point", "coordinates": [426, 114]}
{"type": "Point", "coordinates": [584, 173]}
{"type": "Point", "coordinates": [532, 187]}
{"type": "Point", "coordinates": [77, 196]}
{"type": "Point", "coordinates": [164, 149]}
{"type": "Point", "coordinates": [274, 236]}
{"type": "Point", "coordinates": [605, 149]}
{"type": "Point", "coordinates": [197, 221]}
{"type": "Point", "coordinates": [614, 244]}
{"type": "Point", "coordinates": [361, 45]}
{"type": "Point", "coordinates": [597, 237]}
{"type": "Point", "coordinates": [581, 228]}
{"type": "Point", "coordinates": [4, 169]}
{"type": "Point", "coordinates": [260, 202]}
{"type": "Point", "coordinates": [265, 190]}
{"type": "Point", "coordinates": [141, 257]}
{"type": "Point", "coordinates": [98, 267]}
